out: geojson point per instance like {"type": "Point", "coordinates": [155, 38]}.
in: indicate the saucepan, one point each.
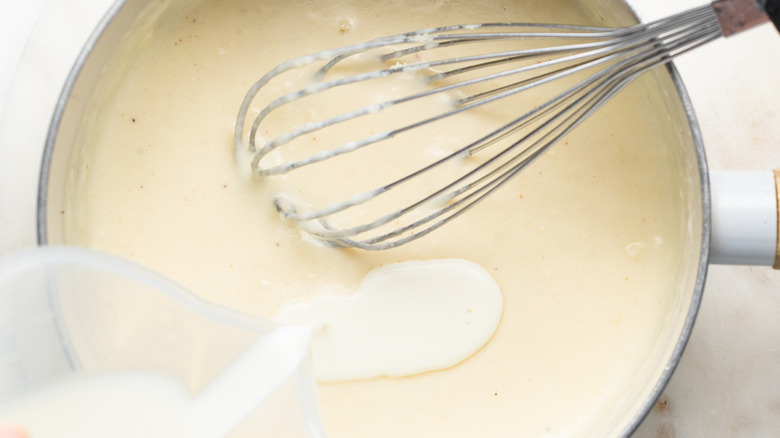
{"type": "Point", "coordinates": [86, 94]}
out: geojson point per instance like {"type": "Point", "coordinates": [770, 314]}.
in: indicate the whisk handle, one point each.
{"type": "Point", "coordinates": [772, 8]}
{"type": "Point", "coordinates": [738, 15]}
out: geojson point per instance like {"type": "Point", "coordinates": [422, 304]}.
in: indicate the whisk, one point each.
{"type": "Point", "coordinates": [441, 75]}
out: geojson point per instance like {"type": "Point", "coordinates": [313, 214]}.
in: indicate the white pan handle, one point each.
{"type": "Point", "coordinates": [745, 218]}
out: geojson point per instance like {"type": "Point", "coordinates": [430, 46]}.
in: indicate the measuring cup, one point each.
{"type": "Point", "coordinates": [92, 345]}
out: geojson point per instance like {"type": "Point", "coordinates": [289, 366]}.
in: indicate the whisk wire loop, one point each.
{"type": "Point", "coordinates": [611, 59]}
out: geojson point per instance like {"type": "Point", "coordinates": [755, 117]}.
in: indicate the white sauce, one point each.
{"type": "Point", "coordinates": [404, 319]}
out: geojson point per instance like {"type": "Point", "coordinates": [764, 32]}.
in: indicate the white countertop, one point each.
{"type": "Point", "coordinates": [728, 384]}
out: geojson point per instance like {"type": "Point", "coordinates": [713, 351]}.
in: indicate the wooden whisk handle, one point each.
{"type": "Point", "coordinates": [738, 15]}
{"type": "Point", "coordinates": [772, 8]}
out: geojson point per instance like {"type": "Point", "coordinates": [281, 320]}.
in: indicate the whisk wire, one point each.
{"type": "Point", "coordinates": [603, 49]}
{"type": "Point", "coordinates": [615, 57]}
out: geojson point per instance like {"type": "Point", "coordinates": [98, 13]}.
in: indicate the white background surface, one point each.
{"type": "Point", "coordinates": [16, 22]}
{"type": "Point", "coordinates": [728, 384]}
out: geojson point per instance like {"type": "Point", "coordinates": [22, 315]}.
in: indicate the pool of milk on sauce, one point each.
{"type": "Point", "coordinates": [579, 243]}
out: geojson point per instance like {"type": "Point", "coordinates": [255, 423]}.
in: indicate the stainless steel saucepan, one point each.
{"type": "Point", "coordinates": [61, 156]}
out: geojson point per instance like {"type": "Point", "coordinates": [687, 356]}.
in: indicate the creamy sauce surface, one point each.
{"type": "Point", "coordinates": [582, 244]}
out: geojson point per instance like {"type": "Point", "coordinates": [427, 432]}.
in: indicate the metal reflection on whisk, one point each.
{"type": "Point", "coordinates": [608, 59]}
